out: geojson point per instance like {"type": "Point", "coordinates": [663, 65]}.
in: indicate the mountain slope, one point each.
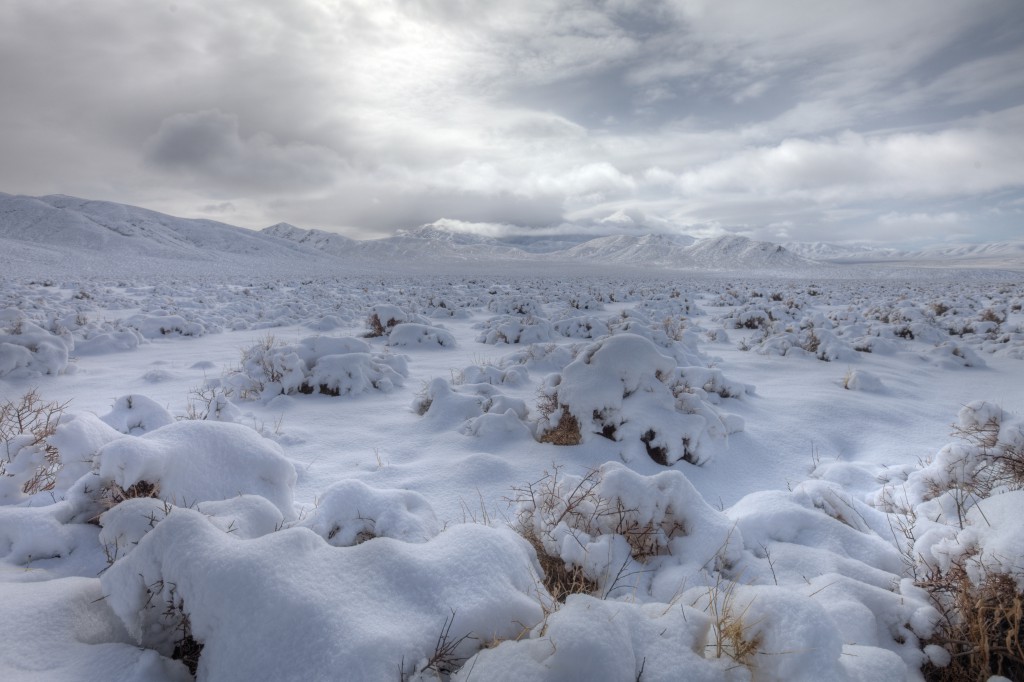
{"type": "Point", "coordinates": [101, 226]}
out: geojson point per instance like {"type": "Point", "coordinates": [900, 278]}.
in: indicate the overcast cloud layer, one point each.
{"type": "Point", "coordinates": [787, 120]}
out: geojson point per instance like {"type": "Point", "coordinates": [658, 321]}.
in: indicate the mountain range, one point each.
{"type": "Point", "coordinates": [59, 229]}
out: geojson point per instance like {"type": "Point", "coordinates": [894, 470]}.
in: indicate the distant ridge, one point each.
{"type": "Point", "coordinates": [992, 254]}
{"type": "Point", "coordinates": [59, 228]}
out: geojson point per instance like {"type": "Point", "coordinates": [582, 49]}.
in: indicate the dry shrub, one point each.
{"type": "Point", "coordinates": [375, 325]}
{"type": "Point", "coordinates": [980, 626]}
{"type": "Point", "coordinates": [1004, 462]}
{"type": "Point", "coordinates": [207, 402]}
{"type": "Point", "coordinates": [378, 327]}
{"type": "Point", "coordinates": [981, 619]}
{"type": "Point", "coordinates": [990, 315]}
{"type": "Point", "coordinates": [257, 364]}
{"type": "Point", "coordinates": [546, 504]}
{"type": "Point", "coordinates": [30, 416]}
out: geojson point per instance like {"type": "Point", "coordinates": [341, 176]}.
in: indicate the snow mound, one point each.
{"type": "Point", "coordinates": [422, 336]}
{"type": "Point", "coordinates": [32, 350]}
{"type": "Point", "coordinates": [73, 635]}
{"type": "Point", "coordinates": [185, 463]}
{"type": "Point", "coordinates": [473, 580]}
{"type": "Point", "coordinates": [593, 639]}
{"type": "Point", "coordinates": [136, 415]}
{"type": "Point", "coordinates": [351, 512]}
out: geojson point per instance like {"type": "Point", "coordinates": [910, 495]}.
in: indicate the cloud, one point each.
{"type": "Point", "coordinates": [857, 167]}
{"type": "Point", "coordinates": [372, 115]}
{"type": "Point", "coordinates": [206, 146]}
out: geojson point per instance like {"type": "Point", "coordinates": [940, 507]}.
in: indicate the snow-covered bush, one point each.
{"type": "Point", "coordinates": [413, 335]}
{"type": "Point", "coordinates": [819, 343]}
{"type": "Point", "coordinates": [582, 327]}
{"type": "Point", "coordinates": [162, 323]}
{"type": "Point", "coordinates": [594, 532]}
{"type": "Point", "coordinates": [516, 375]}
{"type": "Point", "coordinates": [327, 365]}
{"type": "Point", "coordinates": [960, 515]}
{"type": "Point", "coordinates": [109, 342]}
{"type": "Point", "coordinates": [514, 305]}
{"type": "Point", "coordinates": [384, 317]}
{"type": "Point", "coordinates": [474, 409]}
{"type": "Point", "coordinates": [513, 329]}
{"type": "Point", "coordinates": [547, 357]}
{"type": "Point", "coordinates": [29, 350]}
{"type": "Point", "coordinates": [622, 388]}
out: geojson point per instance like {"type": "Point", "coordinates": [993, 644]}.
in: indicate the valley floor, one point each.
{"type": "Point", "coordinates": [507, 477]}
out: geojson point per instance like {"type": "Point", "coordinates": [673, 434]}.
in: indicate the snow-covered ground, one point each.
{"type": "Point", "coordinates": [515, 475]}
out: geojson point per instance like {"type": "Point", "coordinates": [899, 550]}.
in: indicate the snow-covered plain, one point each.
{"type": "Point", "coordinates": [326, 475]}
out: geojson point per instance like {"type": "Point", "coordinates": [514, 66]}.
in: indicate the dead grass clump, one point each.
{"type": "Point", "coordinates": [990, 315]}
{"type": "Point", "coordinates": [565, 432]}
{"type": "Point", "coordinates": [28, 423]}
{"type": "Point", "coordinates": [730, 629]}
{"type": "Point", "coordinates": [377, 326]}
{"type": "Point", "coordinates": [981, 627]}
{"type": "Point", "coordinates": [424, 399]}
{"type": "Point", "coordinates": [557, 504]}
{"type": "Point", "coordinates": [560, 578]}
{"type": "Point", "coordinates": [812, 343]}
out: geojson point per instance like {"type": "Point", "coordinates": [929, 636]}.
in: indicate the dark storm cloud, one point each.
{"type": "Point", "coordinates": [833, 121]}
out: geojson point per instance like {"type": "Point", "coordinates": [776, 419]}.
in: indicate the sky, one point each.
{"type": "Point", "coordinates": [898, 122]}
